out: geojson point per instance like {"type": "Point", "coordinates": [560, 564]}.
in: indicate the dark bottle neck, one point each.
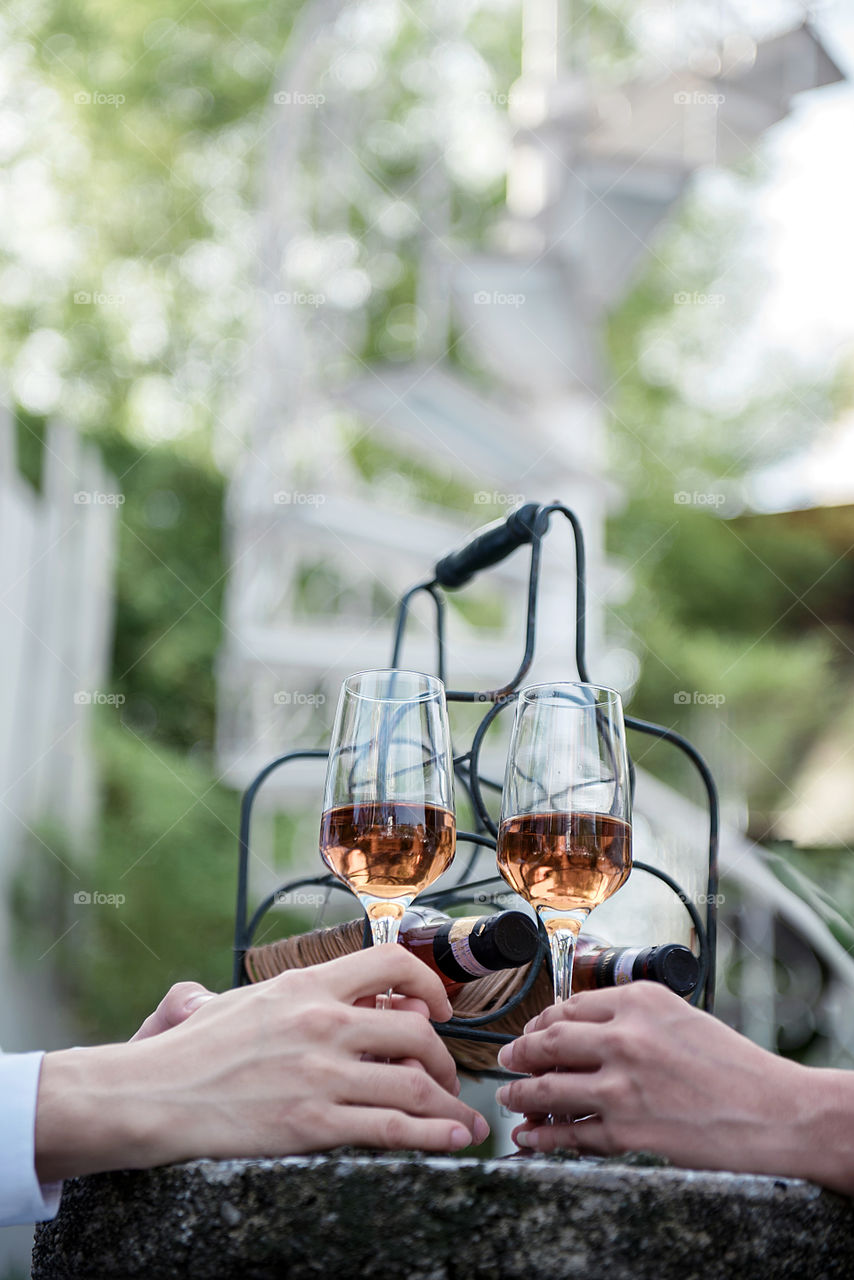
{"type": "Point", "coordinates": [466, 949]}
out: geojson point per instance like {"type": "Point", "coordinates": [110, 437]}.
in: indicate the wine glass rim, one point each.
{"type": "Point", "coordinates": [612, 695]}
{"type": "Point", "coordinates": [438, 686]}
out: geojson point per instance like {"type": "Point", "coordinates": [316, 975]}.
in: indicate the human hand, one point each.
{"type": "Point", "coordinates": [180, 1001]}
{"type": "Point", "coordinates": [184, 998]}
{"type": "Point", "coordinates": [272, 1069]}
{"type": "Point", "coordinates": [650, 1073]}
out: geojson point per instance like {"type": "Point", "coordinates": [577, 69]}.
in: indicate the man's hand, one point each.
{"type": "Point", "coordinates": [266, 1070]}
{"type": "Point", "coordinates": [651, 1073]}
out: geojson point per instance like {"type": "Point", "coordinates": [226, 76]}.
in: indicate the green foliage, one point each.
{"type": "Point", "coordinates": [168, 844]}
{"type": "Point", "coordinates": [170, 581]}
{"type": "Point", "coordinates": [753, 610]}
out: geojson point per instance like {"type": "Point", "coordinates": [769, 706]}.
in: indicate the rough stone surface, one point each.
{"type": "Point", "coordinates": [422, 1218]}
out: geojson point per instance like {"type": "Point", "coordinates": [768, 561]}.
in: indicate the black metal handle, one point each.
{"type": "Point", "coordinates": [486, 548]}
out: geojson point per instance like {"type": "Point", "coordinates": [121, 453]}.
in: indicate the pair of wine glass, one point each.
{"type": "Point", "coordinates": [388, 828]}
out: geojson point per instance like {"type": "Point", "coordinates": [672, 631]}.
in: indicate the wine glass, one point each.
{"type": "Point", "coordinates": [388, 828]}
{"type": "Point", "coordinates": [565, 839]}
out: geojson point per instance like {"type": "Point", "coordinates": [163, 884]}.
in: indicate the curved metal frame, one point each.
{"type": "Point", "coordinates": [480, 553]}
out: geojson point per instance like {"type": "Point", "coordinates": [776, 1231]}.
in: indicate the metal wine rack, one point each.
{"type": "Point", "coordinates": [526, 526]}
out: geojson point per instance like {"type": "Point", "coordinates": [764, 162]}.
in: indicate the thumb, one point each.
{"type": "Point", "coordinates": [177, 1005]}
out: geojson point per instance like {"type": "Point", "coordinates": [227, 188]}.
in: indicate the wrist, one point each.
{"type": "Point", "coordinates": [95, 1113]}
{"type": "Point", "coordinates": [824, 1128]}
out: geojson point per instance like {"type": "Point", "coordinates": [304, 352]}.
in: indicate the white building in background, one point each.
{"type": "Point", "coordinates": [322, 543]}
{"type": "Point", "coordinates": [319, 552]}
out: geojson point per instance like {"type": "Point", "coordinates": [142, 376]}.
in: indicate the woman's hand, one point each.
{"type": "Point", "coordinates": [276, 1068]}
{"type": "Point", "coordinates": [650, 1073]}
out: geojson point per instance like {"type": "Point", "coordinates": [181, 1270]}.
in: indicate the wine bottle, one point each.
{"type": "Point", "coordinates": [598, 965]}
{"type": "Point", "coordinates": [469, 947]}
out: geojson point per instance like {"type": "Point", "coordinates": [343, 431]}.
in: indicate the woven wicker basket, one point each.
{"type": "Point", "coordinates": [475, 999]}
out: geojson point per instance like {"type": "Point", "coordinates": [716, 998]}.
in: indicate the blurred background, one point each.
{"type": "Point", "coordinates": [294, 299]}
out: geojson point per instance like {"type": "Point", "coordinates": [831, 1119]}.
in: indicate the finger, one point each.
{"type": "Point", "coordinates": [406, 1035]}
{"type": "Point", "coordinates": [456, 1087]}
{"type": "Point", "coordinates": [413, 1092]}
{"type": "Point", "coordinates": [532, 1121]}
{"type": "Point", "coordinates": [544, 1136]}
{"type": "Point", "coordinates": [587, 1006]}
{"type": "Point", "coordinates": [402, 1004]}
{"type": "Point", "coordinates": [585, 1136]}
{"type": "Point", "coordinates": [578, 1047]}
{"type": "Point", "coordinates": [364, 973]}
{"type": "Point", "coordinates": [393, 1130]}
{"type": "Point", "coordinates": [562, 1093]}
{"type": "Point", "coordinates": [398, 1062]}
{"type": "Point", "coordinates": [175, 1007]}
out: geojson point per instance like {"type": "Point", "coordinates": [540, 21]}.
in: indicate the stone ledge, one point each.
{"type": "Point", "coordinates": [388, 1217]}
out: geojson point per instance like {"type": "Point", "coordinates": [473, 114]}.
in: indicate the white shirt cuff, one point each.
{"type": "Point", "coordinates": [23, 1198]}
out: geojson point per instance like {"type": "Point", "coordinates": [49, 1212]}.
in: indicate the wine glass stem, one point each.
{"type": "Point", "coordinates": [562, 942]}
{"type": "Point", "coordinates": [563, 928]}
{"type": "Point", "coordinates": [384, 929]}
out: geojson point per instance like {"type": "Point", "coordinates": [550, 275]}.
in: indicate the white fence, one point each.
{"type": "Point", "coordinates": [57, 549]}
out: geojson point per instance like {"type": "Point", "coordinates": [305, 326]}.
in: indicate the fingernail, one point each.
{"type": "Point", "coordinates": [505, 1055]}
{"type": "Point", "coordinates": [503, 1094]}
{"type": "Point", "coordinates": [457, 1087]}
{"type": "Point", "coordinates": [481, 1129]}
{"type": "Point", "coordinates": [528, 1138]}
{"type": "Point", "coordinates": [529, 1026]}
{"type": "Point", "coordinates": [195, 1002]}
{"type": "Point", "coordinates": [460, 1137]}
{"type": "Point", "coordinates": [449, 1010]}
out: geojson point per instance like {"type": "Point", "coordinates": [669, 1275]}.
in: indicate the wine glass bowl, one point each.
{"type": "Point", "coordinates": [387, 853]}
{"type": "Point", "coordinates": [564, 842]}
